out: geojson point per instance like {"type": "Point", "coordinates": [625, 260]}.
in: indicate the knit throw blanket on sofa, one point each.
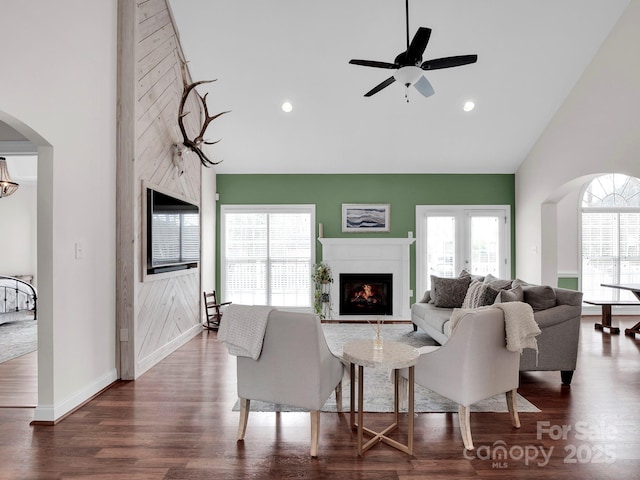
{"type": "Point", "coordinates": [520, 326]}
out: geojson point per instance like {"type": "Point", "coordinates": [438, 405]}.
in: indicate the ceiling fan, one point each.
{"type": "Point", "coordinates": [409, 65]}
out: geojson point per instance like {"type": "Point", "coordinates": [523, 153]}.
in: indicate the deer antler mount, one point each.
{"type": "Point", "coordinates": [195, 143]}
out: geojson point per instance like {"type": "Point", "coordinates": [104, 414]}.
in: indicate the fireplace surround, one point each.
{"type": "Point", "coordinates": [371, 256]}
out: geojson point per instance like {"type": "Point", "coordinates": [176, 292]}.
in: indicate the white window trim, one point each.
{"type": "Point", "coordinates": [297, 208]}
{"type": "Point", "coordinates": [458, 211]}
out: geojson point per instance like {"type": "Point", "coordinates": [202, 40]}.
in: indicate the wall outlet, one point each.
{"type": "Point", "coordinates": [79, 252]}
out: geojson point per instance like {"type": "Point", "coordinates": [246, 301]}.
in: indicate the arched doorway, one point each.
{"type": "Point", "coordinates": [18, 259]}
{"type": "Point", "coordinates": [44, 267]}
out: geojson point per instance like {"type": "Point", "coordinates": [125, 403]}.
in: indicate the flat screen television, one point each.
{"type": "Point", "coordinates": [173, 233]}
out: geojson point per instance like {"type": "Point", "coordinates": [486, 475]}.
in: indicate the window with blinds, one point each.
{"type": "Point", "coordinates": [610, 236]}
{"type": "Point", "coordinates": [267, 254]}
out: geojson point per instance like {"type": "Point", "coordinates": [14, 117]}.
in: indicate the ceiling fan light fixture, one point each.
{"type": "Point", "coordinates": [407, 76]}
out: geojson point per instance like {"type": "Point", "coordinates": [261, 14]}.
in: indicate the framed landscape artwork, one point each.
{"type": "Point", "coordinates": [361, 217]}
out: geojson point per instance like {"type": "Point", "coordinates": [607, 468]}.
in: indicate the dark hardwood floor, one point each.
{"type": "Point", "coordinates": [19, 382]}
{"type": "Point", "coordinates": [176, 422]}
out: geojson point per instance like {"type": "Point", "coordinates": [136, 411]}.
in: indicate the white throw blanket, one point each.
{"type": "Point", "coordinates": [242, 329]}
{"type": "Point", "coordinates": [520, 326]}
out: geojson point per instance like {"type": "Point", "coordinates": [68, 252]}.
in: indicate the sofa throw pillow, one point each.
{"type": "Point", "coordinates": [540, 297]}
{"type": "Point", "coordinates": [496, 282]}
{"type": "Point", "coordinates": [426, 298]}
{"type": "Point", "coordinates": [465, 273]}
{"type": "Point", "coordinates": [449, 292]}
{"type": "Point", "coordinates": [478, 295]}
{"type": "Point", "coordinates": [515, 294]}
{"type": "Point", "coordinates": [490, 295]}
{"type": "Point", "coordinates": [475, 294]}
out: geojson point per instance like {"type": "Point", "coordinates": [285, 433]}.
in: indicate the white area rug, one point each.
{"type": "Point", "coordinates": [18, 338]}
{"type": "Point", "coordinates": [378, 387]}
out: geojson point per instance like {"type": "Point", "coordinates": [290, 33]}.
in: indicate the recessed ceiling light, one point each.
{"type": "Point", "coordinates": [468, 106]}
{"type": "Point", "coordinates": [287, 107]}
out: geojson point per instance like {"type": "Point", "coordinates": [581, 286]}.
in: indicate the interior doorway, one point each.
{"type": "Point", "coordinates": [22, 385]}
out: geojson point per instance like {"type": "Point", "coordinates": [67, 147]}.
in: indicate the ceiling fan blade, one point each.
{"type": "Point", "coordinates": [448, 62]}
{"type": "Point", "coordinates": [418, 44]}
{"type": "Point", "coordinates": [424, 87]}
{"type": "Point", "coordinates": [380, 86]}
{"type": "Point", "coordinates": [373, 63]}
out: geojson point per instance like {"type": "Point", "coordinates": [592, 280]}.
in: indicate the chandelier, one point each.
{"type": "Point", "coordinates": [7, 186]}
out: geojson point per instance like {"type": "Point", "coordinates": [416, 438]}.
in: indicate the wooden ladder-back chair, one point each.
{"type": "Point", "coordinates": [213, 310]}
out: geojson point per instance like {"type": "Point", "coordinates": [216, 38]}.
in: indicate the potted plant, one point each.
{"type": "Point", "coordinates": [322, 279]}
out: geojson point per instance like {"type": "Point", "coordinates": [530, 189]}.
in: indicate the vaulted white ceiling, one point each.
{"type": "Point", "coordinates": [263, 53]}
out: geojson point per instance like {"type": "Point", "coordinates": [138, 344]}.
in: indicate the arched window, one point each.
{"type": "Point", "coordinates": [610, 236]}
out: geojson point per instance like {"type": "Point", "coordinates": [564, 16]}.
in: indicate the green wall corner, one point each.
{"type": "Point", "coordinates": [570, 283]}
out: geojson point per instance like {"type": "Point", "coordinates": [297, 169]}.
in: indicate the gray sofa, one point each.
{"type": "Point", "coordinates": [558, 319]}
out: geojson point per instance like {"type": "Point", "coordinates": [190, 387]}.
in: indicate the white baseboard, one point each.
{"type": "Point", "coordinates": [152, 359]}
{"type": "Point", "coordinates": [51, 413]}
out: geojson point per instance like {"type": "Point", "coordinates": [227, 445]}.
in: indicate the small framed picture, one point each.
{"type": "Point", "coordinates": [363, 217]}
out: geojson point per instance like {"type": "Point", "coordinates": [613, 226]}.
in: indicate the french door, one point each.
{"type": "Point", "coordinates": [452, 238]}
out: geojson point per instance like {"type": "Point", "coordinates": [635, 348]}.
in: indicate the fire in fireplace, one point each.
{"type": "Point", "coordinates": [366, 294]}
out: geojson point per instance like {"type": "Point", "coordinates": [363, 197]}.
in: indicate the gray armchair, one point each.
{"type": "Point", "coordinates": [473, 365]}
{"type": "Point", "coordinates": [295, 368]}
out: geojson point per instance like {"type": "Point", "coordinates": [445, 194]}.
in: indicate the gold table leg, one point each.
{"type": "Point", "coordinates": [378, 437]}
{"type": "Point", "coordinates": [352, 373]}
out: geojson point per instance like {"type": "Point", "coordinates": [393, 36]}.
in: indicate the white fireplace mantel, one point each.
{"type": "Point", "coordinates": [371, 255]}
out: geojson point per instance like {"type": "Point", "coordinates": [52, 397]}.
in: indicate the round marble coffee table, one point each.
{"type": "Point", "coordinates": [392, 356]}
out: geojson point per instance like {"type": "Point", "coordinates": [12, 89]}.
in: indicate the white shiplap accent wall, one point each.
{"type": "Point", "coordinates": [155, 316]}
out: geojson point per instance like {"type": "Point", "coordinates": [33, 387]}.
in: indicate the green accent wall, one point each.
{"type": "Point", "coordinates": [402, 191]}
{"type": "Point", "coordinates": [570, 283]}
